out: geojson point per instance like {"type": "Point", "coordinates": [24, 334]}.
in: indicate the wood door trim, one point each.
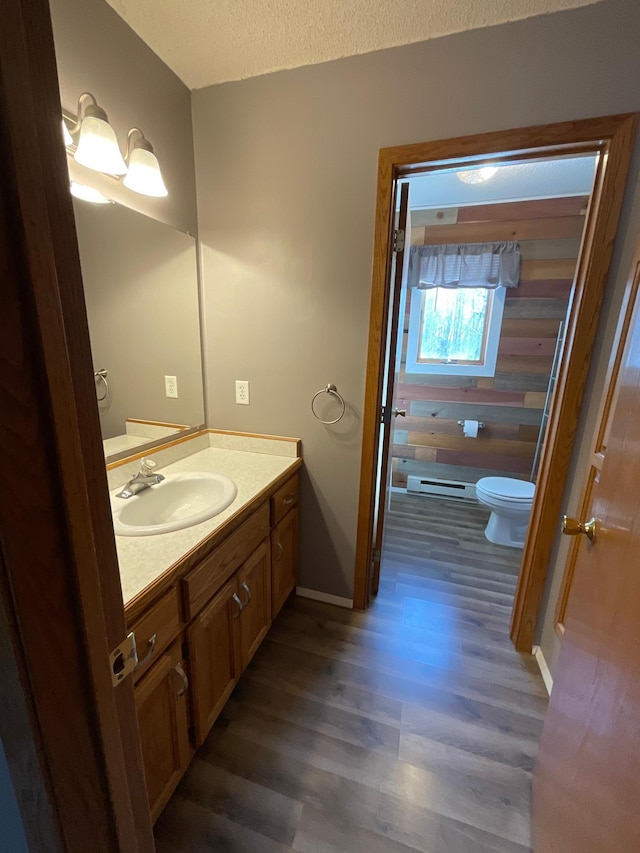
{"type": "Point", "coordinates": [378, 316]}
{"type": "Point", "coordinates": [590, 279]}
{"type": "Point", "coordinates": [54, 511]}
{"type": "Point", "coordinates": [605, 411]}
{"type": "Point", "coordinates": [613, 136]}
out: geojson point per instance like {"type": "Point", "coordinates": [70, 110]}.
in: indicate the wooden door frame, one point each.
{"type": "Point", "coordinates": [59, 583]}
{"type": "Point", "coordinates": [613, 137]}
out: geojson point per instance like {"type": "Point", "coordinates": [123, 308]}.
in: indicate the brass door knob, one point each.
{"type": "Point", "coordinates": [573, 527]}
{"type": "Point", "coordinates": [401, 412]}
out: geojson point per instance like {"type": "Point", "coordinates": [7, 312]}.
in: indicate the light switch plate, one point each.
{"type": "Point", "coordinates": [242, 392]}
{"type": "Point", "coordinates": [171, 387]}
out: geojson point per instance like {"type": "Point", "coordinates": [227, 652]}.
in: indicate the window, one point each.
{"type": "Point", "coordinates": [454, 330]}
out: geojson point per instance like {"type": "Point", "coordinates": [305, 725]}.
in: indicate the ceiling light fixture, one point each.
{"type": "Point", "coordinates": [477, 176]}
{"type": "Point", "coordinates": [143, 175]}
{"type": "Point", "coordinates": [97, 146]}
{"type": "Point", "coordinates": [85, 193]}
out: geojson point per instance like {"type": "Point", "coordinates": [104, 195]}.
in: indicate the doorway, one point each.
{"type": "Point", "coordinates": [482, 314]}
{"type": "Point", "coordinates": [606, 139]}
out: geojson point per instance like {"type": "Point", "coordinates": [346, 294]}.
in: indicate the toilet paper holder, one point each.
{"type": "Point", "coordinates": [481, 424]}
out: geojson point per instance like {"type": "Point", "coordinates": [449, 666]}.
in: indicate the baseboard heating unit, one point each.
{"type": "Point", "coordinates": [444, 488]}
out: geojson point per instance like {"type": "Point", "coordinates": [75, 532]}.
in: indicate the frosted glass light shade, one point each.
{"type": "Point", "coordinates": [88, 194]}
{"type": "Point", "coordinates": [144, 175]}
{"type": "Point", "coordinates": [66, 136]}
{"type": "Point", "coordinates": [98, 147]}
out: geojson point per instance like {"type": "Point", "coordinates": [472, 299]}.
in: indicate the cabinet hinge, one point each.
{"type": "Point", "coordinates": [376, 556]}
{"type": "Point", "coordinates": [398, 240]}
{"type": "Point", "coordinates": [123, 659]}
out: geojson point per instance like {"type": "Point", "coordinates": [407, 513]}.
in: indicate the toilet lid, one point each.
{"type": "Point", "coordinates": [506, 487]}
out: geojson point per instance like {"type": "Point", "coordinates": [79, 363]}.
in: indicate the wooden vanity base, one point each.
{"type": "Point", "coordinates": [196, 637]}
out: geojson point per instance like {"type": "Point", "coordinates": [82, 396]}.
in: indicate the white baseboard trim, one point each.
{"type": "Point", "coordinates": [325, 597]}
{"type": "Point", "coordinates": [536, 651]}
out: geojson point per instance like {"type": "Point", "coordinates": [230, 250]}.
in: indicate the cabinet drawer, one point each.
{"type": "Point", "coordinates": [284, 499]}
{"type": "Point", "coordinates": [156, 629]}
{"type": "Point", "coordinates": [207, 578]}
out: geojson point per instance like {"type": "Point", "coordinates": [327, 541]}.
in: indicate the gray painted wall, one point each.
{"type": "Point", "coordinates": [141, 289]}
{"type": "Point", "coordinates": [97, 52]}
{"type": "Point", "coordinates": [286, 178]}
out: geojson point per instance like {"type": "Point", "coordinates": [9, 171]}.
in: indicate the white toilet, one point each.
{"type": "Point", "coordinates": [510, 502]}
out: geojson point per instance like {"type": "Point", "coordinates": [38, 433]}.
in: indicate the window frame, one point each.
{"type": "Point", "coordinates": [491, 343]}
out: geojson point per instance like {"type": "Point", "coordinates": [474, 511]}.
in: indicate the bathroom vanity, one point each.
{"type": "Point", "coordinates": [200, 600]}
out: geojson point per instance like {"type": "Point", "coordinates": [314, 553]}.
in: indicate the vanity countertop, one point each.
{"type": "Point", "coordinates": [144, 559]}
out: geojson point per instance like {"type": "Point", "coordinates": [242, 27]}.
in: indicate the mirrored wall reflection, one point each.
{"type": "Point", "coordinates": [141, 290]}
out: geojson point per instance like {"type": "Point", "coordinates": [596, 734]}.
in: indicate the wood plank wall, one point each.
{"type": "Point", "coordinates": [429, 441]}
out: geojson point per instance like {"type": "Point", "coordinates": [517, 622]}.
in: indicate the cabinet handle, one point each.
{"type": "Point", "coordinates": [236, 598]}
{"type": "Point", "coordinates": [151, 647]}
{"type": "Point", "coordinates": [245, 587]}
{"type": "Point", "coordinates": [179, 670]}
{"type": "Point", "coordinates": [287, 501]}
{"type": "Point", "coordinates": [281, 551]}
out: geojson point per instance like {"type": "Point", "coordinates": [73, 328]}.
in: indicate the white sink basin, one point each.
{"type": "Point", "coordinates": [180, 500]}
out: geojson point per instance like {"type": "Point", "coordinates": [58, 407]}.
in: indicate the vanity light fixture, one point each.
{"type": "Point", "coordinates": [477, 176]}
{"type": "Point", "coordinates": [92, 142]}
{"type": "Point", "coordinates": [97, 146]}
{"type": "Point", "coordinates": [86, 193]}
{"type": "Point", "coordinates": [143, 174]}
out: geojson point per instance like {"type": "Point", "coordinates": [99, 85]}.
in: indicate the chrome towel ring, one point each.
{"type": "Point", "coordinates": [101, 376]}
{"type": "Point", "coordinates": [333, 391]}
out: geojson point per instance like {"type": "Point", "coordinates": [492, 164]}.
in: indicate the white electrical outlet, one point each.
{"type": "Point", "coordinates": [242, 392]}
{"type": "Point", "coordinates": [170, 386]}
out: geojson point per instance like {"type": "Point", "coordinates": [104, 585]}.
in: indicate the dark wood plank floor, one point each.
{"type": "Point", "coordinates": [412, 727]}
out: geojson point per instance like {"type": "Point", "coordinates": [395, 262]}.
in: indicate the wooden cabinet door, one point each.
{"type": "Point", "coordinates": [284, 560]}
{"type": "Point", "coordinates": [213, 667]}
{"type": "Point", "coordinates": [254, 589]}
{"type": "Point", "coordinates": [161, 704]}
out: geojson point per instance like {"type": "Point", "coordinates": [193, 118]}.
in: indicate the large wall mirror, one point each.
{"type": "Point", "coordinates": [141, 290]}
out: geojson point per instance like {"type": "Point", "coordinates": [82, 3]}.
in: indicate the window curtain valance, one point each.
{"type": "Point", "coordinates": [464, 265]}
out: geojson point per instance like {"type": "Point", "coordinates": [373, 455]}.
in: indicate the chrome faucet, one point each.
{"type": "Point", "coordinates": [144, 479]}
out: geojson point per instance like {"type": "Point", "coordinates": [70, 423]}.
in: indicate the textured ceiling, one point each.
{"type": "Point", "coordinates": [213, 41]}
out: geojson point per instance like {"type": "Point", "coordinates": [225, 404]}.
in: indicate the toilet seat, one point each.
{"type": "Point", "coordinates": [512, 491]}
